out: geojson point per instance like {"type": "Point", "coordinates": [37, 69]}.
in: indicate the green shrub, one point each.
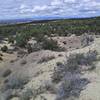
{"type": "Point", "coordinates": [58, 73]}
{"type": "Point", "coordinates": [64, 89]}
{"type": "Point", "coordinates": [46, 59]}
{"type": "Point", "coordinates": [71, 86]}
{"type": "Point", "coordinates": [4, 48]}
{"type": "Point", "coordinates": [49, 86]}
{"type": "Point", "coordinates": [21, 53]}
{"type": "Point", "coordinates": [36, 47]}
{"type": "Point", "coordinates": [76, 60]}
{"type": "Point", "coordinates": [29, 48]}
{"type": "Point", "coordinates": [23, 62]}
{"type": "Point", "coordinates": [11, 39]}
{"type": "Point", "coordinates": [1, 58]}
{"type": "Point", "coordinates": [15, 83]}
{"type": "Point", "coordinates": [7, 95]}
{"type": "Point", "coordinates": [26, 95]}
{"type": "Point", "coordinates": [39, 38]}
{"type": "Point", "coordinates": [1, 54]}
{"type": "Point", "coordinates": [21, 39]}
{"type": "Point", "coordinates": [86, 39]}
{"type": "Point", "coordinates": [60, 55]}
{"type": "Point", "coordinates": [74, 63]}
{"type": "Point", "coordinates": [50, 44]}
{"type": "Point", "coordinates": [6, 73]}
{"type": "Point", "coordinates": [90, 57]}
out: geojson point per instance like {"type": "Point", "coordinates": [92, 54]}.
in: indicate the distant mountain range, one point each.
{"type": "Point", "coordinates": [26, 20]}
{"type": "Point", "coordinates": [37, 19]}
{"type": "Point", "coordinates": [14, 21]}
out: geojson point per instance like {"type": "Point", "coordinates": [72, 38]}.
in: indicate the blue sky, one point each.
{"type": "Point", "coordinates": [10, 9]}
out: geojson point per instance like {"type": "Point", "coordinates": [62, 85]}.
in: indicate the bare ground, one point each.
{"type": "Point", "coordinates": [39, 73]}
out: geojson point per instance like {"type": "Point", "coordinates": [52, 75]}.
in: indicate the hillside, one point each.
{"type": "Point", "coordinates": [60, 27]}
{"type": "Point", "coordinates": [50, 60]}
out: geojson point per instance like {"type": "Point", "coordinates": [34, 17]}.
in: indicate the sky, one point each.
{"type": "Point", "coordinates": [12, 9]}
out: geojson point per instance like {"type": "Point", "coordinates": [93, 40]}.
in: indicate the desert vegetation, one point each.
{"type": "Point", "coordinates": [69, 74]}
{"type": "Point", "coordinates": [49, 60]}
{"type": "Point", "coordinates": [60, 27]}
{"type": "Point", "coordinates": [4, 48]}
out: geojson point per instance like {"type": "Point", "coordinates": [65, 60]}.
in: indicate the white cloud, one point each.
{"type": "Point", "coordinates": [39, 8]}
{"type": "Point", "coordinates": [60, 8]}
{"type": "Point", "coordinates": [56, 2]}
{"type": "Point", "coordinates": [23, 6]}
{"type": "Point", "coordinates": [69, 1]}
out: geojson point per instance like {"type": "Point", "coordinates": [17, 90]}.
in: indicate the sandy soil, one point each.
{"type": "Point", "coordinates": [42, 72]}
